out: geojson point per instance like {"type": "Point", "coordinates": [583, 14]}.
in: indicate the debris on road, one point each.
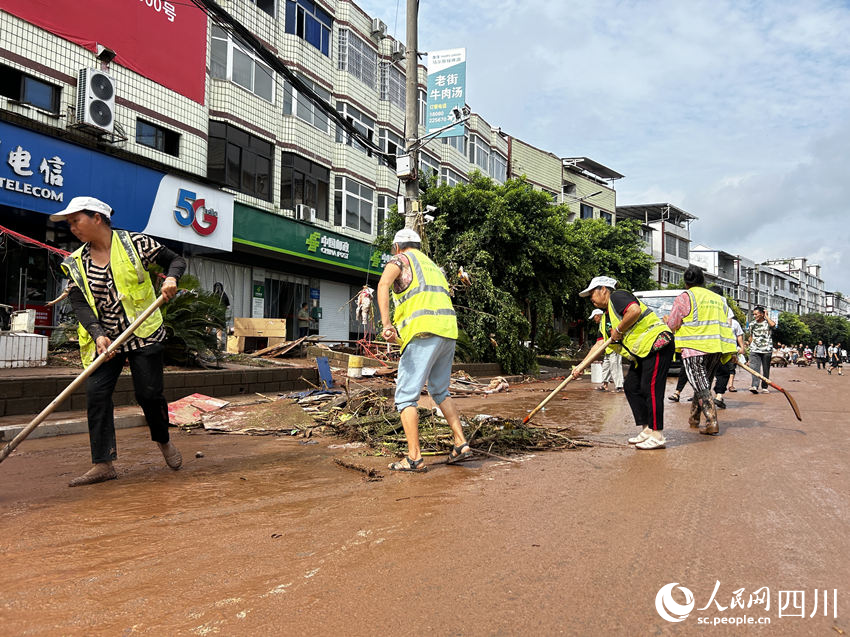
{"type": "Point", "coordinates": [189, 410]}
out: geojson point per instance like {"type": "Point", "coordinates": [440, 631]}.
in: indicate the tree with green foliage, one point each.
{"type": "Point", "coordinates": [791, 330]}
{"type": "Point", "coordinates": [829, 329]}
{"type": "Point", "coordinates": [527, 262]}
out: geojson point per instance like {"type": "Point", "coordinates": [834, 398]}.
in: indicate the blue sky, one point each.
{"type": "Point", "coordinates": [735, 111]}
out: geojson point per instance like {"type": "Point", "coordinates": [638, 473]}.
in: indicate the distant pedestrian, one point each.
{"type": "Point", "coordinates": [645, 340]}
{"type": "Point", "coordinates": [821, 354]}
{"type": "Point", "coordinates": [612, 365]}
{"type": "Point", "coordinates": [835, 359]}
{"type": "Point", "coordinates": [303, 321]}
{"type": "Point", "coordinates": [700, 321]}
{"type": "Point", "coordinates": [761, 346]}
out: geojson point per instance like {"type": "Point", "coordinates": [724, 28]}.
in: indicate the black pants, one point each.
{"type": "Point", "coordinates": [721, 382]}
{"type": "Point", "coordinates": [682, 380]}
{"type": "Point", "coordinates": [821, 361]}
{"type": "Point", "coordinates": [146, 369]}
{"type": "Point", "coordinates": [644, 387]}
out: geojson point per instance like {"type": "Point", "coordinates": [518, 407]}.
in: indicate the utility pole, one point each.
{"type": "Point", "coordinates": [411, 115]}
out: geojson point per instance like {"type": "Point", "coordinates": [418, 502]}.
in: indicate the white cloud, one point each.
{"type": "Point", "coordinates": [736, 112]}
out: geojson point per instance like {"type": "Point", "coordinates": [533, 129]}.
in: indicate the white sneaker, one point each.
{"type": "Point", "coordinates": [652, 443]}
{"type": "Point", "coordinates": [643, 435]}
{"type": "Point", "coordinates": [765, 391]}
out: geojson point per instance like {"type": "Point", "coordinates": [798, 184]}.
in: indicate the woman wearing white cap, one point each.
{"type": "Point", "coordinates": [425, 325]}
{"type": "Point", "coordinates": [641, 336]}
{"type": "Point", "coordinates": [109, 287]}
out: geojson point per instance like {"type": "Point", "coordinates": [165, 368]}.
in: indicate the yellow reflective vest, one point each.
{"type": "Point", "coordinates": [132, 282]}
{"type": "Point", "coordinates": [637, 341]}
{"type": "Point", "coordinates": [602, 330]}
{"type": "Point", "coordinates": [425, 307]}
{"type": "Point", "coordinates": [706, 328]}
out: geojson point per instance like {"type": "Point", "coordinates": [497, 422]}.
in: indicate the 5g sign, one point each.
{"type": "Point", "coordinates": [191, 211]}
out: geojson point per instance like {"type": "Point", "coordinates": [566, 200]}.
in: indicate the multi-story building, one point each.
{"type": "Point", "coordinates": [670, 237]}
{"type": "Point", "coordinates": [221, 156]}
{"type": "Point", "coordinates": [588, 188]}
{"type": "Point", "coordinates": [811, 285]}
{"type": "Point", "coordinates": [836, 304]}
{"type": "Point", "coordinates": [720, 267]}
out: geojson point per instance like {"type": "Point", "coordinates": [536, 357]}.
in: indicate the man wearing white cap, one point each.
{"type": "Point", "coordinates": [425, 326]}
{"type": "Point", "coordinates": [612, 365]}
{"type": "Point", "coordinates": [641, 336]}
{"type": "Point", "coordinates": [109, 287]}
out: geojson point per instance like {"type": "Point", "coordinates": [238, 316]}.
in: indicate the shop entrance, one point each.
{"type": "Point", "coordinates": [284, 296]}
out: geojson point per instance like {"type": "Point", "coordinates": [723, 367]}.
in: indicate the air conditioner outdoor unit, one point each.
{"type": "Point", "coordinates": [398, 50]}
{"type": "Point", "coordinates": [305, 212]}
{"type": "Point", "coordinates": [378, 27]}
{"type": "Point", "coordinates": [96, 99]}
{"type": "Point", "coordinates": [312, 214]}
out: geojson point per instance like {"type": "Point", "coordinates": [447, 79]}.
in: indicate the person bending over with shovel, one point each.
{"type": "Point", "coordinates": [109, 287]}
{"type": "Point", "coordinates": [425, 325]}
{"type": "Point", "coordinates": [645, 340]}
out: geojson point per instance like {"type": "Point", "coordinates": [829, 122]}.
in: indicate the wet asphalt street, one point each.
{"type": "Point", "coordinates": [266, 536]}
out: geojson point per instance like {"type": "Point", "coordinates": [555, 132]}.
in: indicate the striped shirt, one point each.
{"type": "Point", "coordinates": [110, 312]}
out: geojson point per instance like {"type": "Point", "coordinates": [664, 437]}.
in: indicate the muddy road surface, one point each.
{"type": "Point", "coordinates": [267, 536]}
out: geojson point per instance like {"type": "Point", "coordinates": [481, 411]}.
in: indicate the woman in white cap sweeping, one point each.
{"type": "Point", "coordinates": [109, 287]}
{"type": "Point", "coordinates": [645, 340]}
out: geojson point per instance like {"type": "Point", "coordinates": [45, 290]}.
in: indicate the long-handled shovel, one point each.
{"type": "Point", "coordinates": [788, 395]}
{"type": "Point", "coordinates": [70, 389]}
{"type": "Point", "coordinates": [592, 355]}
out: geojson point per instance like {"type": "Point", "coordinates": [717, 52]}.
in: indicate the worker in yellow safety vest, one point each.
{"type": "Point", "coordinates": [612, 364]}
{"type": "Point", "coordinates": [109, 287]}
{"type": "Point", "coordinates": [425, 326]}
{"type": "Point", "coordinates": [639, 335]}
{"type": "Point", "coordinates": [701, 321]}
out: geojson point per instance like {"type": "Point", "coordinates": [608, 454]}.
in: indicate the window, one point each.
{"type": "Point", "coordinates": [353, 205]}
{"type": "Point", "coordinates": [392, 85]}
{"type": "Point", "coordinates": [309, 22]}
{"type": "Point", "coordinates": [607, 217]}
{"type": "Point", "coordinates": [569, 188]}
{"type": "Point", "coordinates": [239, 160]}
{"type": "Point", "coordinates": [362, 122]}
{"type": "Point", "coordinates": [684, 248]}
{"type": "Point", "coordinates": [304, 182]}
{"type": "Point", "coordinates": [451, 177]}
{"type": "Point", "coordinates": [499, 169]}
{"type": "Point", "coordinates": [586, 211]}
{"type": "Point", "coordinates": [382, 211]}
{"type": "Point", "coordinates": [27, 89]}
{"type": "Point", "coordinates": [358, 58]}
{"type": "Point", "coordinates": [428, 165]}
{"type": "Point", "coordinates": [458, 142]}
{"type": "Point", "coordinates": [390, 143]}
{"type": "Point", "coordinates": [479, 153]}
{"type": "Point", "coordinates": [237, 62]}
{"type": "Point", "coordinates": [295, 103]}
{"type": "Point", "coordinates": [157, 137]}
{"type": "Point", "coordinates": [265, 5]}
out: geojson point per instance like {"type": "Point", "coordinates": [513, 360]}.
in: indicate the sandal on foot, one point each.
{"type": "Point", "coordinates": [732, 389]}
{"type": "Point", "coordinates": [457, 454]}
{"type": "Point", "coordinates": [673, 397]}
{"type": "Point", "coordinates": [413, 466]}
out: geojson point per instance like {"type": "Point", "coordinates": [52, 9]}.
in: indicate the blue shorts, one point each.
{"type": "Point", "coordinates": [424, 359]}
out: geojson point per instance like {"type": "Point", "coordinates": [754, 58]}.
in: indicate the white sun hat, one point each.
{"type": "Point", "coordinates": [78, 204]}
{"type": "Point", "coordinates": [598, 281]}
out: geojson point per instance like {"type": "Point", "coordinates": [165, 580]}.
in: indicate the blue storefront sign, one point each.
{"type": "Point", "coordinates": [42, 174]}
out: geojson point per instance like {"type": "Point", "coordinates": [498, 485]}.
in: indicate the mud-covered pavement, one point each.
{"type": "Point", "coordinates": [267, 536]}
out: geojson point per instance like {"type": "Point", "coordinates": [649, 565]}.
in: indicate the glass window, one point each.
{"type": "Point", "coordinates": [362, 122]}
{"type": "Point", "coordinates": [154, 136]}
{"type": "Point", "coordinates": [683, 249]}
{"type": "Point", "coordinates": [499, 169]}
{"type": "Point", "coordinates": [393, 87]}
{"type": "Point", "coordinates": [479, 153]}
{"type": "Point", "coordinates": [587, 211]}
{"type": "Point", "coordinates": [607, 217]}
{"type": "Point", "coordinates": [353, 203]}
{"type": "Point", "coordinates": [266, 5]}
{"type": "Point", "coordinates": [451, 177]}
{"type": "Point", "coordinates": [358, 58]}
{"type": "Point", "coordinates": [310, 22]}
{"type": "Point", "coordinates": [304, 182]}
{"type": "Point", "coordinates": [27, 89]}
{"type": "Point", "coordinates": [423, 106]}
{"type": "Point", "coordinates": [298, 104]}
{"type": "Point", "coordinates": [240, 160]}
{"type": "Point", "coordinates": [235, 61]}
{"type": "Point", "coordinates": [389, 142]}
{"type": "Point", "coordinates": [428, 165]}
{"type": "Point", "coordinates": [458, 142]}
{"type": "Point", "coordinates": [381, 212]}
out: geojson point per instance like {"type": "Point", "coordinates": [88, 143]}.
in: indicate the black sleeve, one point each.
{"type": "Point", "coordinates": [173, 264]}
{"type": "Point", "coordinates": [621, 299]}
{"type": "Point", "coordinates": [84, 313]}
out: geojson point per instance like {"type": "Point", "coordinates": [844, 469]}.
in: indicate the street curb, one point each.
{"type": "Point", "coordinates": [69, 426]}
